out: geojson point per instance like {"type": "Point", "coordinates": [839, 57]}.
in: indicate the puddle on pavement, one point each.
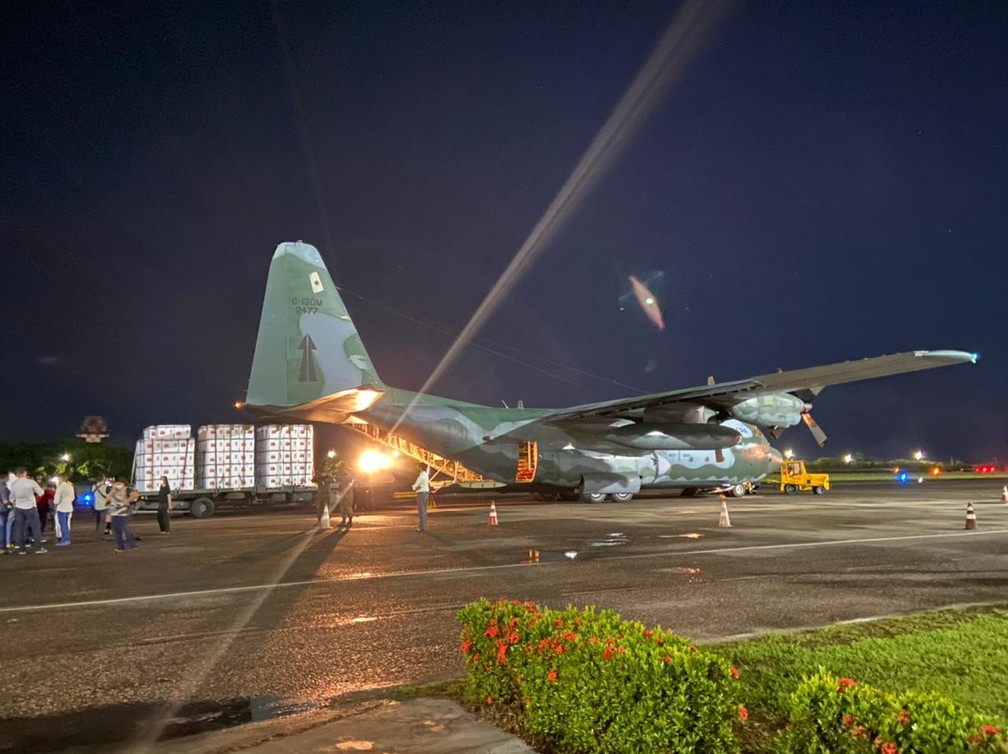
{"type": "Point", "coordinates": [200, 717]}
{"type": "Point", "coordinates": [688, 535]}
{"type": "Point", "coordinates": [591, 550]}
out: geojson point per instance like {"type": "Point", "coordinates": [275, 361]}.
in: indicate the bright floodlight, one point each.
{"type": "Point", "coordinates": [848, 458]}
{"type": "Point", "coordinates": [330, 454]}
{"type": "Point", "coordinates": [65, 457]}
{"type": "Point", "coordinates": [372, 460]}
{"type": "Point", "coordinates": [919, 455]}
{"type": "Point", "coordinates": [789, 453]}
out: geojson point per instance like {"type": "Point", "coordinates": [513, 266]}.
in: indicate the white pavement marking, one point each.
{"type": "Point", "coordinates": [501, 566]}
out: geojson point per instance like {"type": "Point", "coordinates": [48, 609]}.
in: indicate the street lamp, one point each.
{"type": "Point", "coordinates": [789, 453]}
{"type": "Point", "coordinates": [919, 455]}
{"type": "Point", "coordinates": [330, 454]}
{"type": "Point", "coordinates": [65, 457]}
{"type": "Point", "coordinates": [848, 458]}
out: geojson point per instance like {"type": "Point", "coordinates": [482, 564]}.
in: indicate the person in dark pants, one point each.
{"type": "Point", "coordinates": [120, 503]}
{"type": "Point", "coordinates": [346, 500]}
{"type": "Point", "coordinates": [23, 493]}
{"type": "Point", "coordinates": [44, 504]}
{"type": "Point", "coordinates": [422, 489]}
{"type": "Point", "coordinates": [164, 506]}
{"type": "Point", "coordinates": [101, 490]}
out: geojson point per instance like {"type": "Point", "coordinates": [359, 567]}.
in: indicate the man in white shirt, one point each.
{"type": "Point", "coordinates": [64, 501]}
{"type": "Point", "coordinates": [422, 488]}
{"type": "Point", "coordinates": [26, 522]}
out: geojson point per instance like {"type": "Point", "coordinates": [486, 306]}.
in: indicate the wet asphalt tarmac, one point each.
{"type": "Point", "coordinates": [255, 612]}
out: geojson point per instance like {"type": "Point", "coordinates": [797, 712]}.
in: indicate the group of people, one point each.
{"type": "Point", "coordinates": [25, 505]}
{"type": "Point", "coordinates": [339, 497]}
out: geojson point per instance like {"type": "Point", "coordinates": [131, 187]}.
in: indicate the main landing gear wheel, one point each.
{"type": "Point", "coordinates": [737, 490]}
{"type": "Point", "coordinates": [593, 497]}
{"type": "Point", "coordinates": [790, 489]}
{"type": "Point", "coordinates": [622, 497]}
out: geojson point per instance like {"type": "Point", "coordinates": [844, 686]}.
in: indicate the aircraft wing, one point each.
{"type": "Point", "coordinates": [812, 379]}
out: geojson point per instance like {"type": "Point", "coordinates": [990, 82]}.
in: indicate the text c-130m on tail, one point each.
{"type": "Point", "coordinates": [310, 364]}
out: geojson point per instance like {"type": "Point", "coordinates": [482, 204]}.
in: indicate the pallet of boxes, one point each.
{"type": "Point", "coordinates": [231, 464]}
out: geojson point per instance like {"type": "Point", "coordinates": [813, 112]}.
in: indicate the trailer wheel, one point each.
{"type": "Point", "coordinates": [818, 490]}
{"type": "Point", "coordinates": [622, 497]}
{"type": "Point", "coordinates": [201, 507]}
{"type": "Point", "coordinates": [790, 489]}
{"type": "Point", "coordinates": [593, 497]}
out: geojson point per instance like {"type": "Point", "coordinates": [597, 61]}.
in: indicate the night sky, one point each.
{"type": "Point", "coordinates": [824, 181]}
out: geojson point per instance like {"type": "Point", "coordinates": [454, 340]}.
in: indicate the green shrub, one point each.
{"type": "Point", "coordinates": [838, 716]}
{"type": "Point", "coordinates": [590, 682]}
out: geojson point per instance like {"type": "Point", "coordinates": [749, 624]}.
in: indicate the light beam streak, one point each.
{"type": "Point", "coordinates": [681, 40]}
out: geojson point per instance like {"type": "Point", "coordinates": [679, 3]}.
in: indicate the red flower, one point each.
{"type": "Point", "coordinates": [693, 649]}
{"type": "Point", "coordinates": [734, 672]}
{"type": "Point", "coordinates": [743, 714]}
{"type": "Point", "coordinates": [666, 659]}
{"type": "Point", "coordinates": [977, 739]}
{"type": "Point", "coordinates": [475, 657]}
{"type": "Point", "coordinates": [489, 700]}
{"type": "Point", "coordinates": [903, 717]}
{"type": "Point", "coordinates": [558, 622]}
{"type": "Point", "coordinates": [845, 685]}
{"type": "Point", "coordinates": [465, 646]}
{"type": "Point", "coordinates": [491, 632]}
{"type": "Point", "coordinates": [888, 748]}
{"type": "Point", "coordinates": [501, 652]}
{"type": "Point", "coordinates": [859, 732]}
{"type": "Point", "coordinates": [513, 637]}
{"type": "Point", "coordinates": [570, 636]}
{"type": "Point", "coordinates": [989, 730]}
{"type": "Point", "coordinates": [648, 632]}
{"type": "Point", "coordinates": [551, 676]}
{"type": "Point", "coordinates": [593, 640]}
{"type": "Point", "coordinates": [607, 654]}
{"type": "Point", "coordinates": [558, 648]}
{"type": "Point", "coordinates": [849, 720]}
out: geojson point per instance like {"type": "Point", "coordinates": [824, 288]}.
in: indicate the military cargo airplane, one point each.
{"type": "Point", "coordinates": [310, 364]}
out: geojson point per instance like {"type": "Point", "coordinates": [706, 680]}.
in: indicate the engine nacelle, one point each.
{"type": "Point", "coordinates": [770, 410]}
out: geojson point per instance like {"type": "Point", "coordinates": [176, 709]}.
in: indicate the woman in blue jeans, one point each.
{"type": "Point", "coordinates": [120, 503]}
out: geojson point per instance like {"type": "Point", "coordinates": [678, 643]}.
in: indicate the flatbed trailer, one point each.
{"type": "Point", "coordinates": [203, 503]}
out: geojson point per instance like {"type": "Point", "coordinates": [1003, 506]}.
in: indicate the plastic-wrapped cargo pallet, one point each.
{"type": "Point", "coordinates": [165, 450]}
{"type": "Point", "coordinates": [226, 457]}
{"type": "Point", "coordinates": [285, 455]}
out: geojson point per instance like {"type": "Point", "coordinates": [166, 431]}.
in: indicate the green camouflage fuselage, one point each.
{"type": "Point", "coordinates": [473, 435]}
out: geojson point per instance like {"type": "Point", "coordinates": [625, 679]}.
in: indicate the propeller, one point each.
{"type": "Point", "coordinates": [817, 433]}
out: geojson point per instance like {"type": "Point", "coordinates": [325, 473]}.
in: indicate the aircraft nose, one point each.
{"type": "Point", "coordinates": [775, 457]}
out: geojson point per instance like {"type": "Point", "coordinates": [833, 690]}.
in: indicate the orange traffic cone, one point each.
{"type": "Point", "coordinates": [970, 516]}
{"type": "Point", "coordinates": [723, 520]}
{"type": "Point", "coordinates": [493, 514]}
{"type": "Point", "coordinates": [1004, 494]}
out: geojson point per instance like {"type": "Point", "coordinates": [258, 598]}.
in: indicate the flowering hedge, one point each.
{"type": "Point", "coordinates": [590, 682]}
{"type": "Point", "coordinates": [837, 715]}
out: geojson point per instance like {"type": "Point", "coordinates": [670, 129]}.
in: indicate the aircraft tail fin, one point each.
{"type": "Point", "coordinates": [307, 347]}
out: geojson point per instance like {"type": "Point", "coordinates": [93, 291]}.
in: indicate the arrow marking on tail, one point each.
{"type": "Point", "coordinates": [307, 373]}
